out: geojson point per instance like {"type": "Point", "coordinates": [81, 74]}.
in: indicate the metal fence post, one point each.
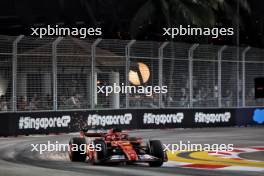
{"type": "Point", "coordinates": [219, 58]}
{"type": "Point", "coordinates": [190, 57]}
{"type": "Point", "coordinates": [161, 69]}
{"type": "Point", "coordinates": [54, 72]}
{"type": "Point", "coordinates": [127, 67]}
{"type": "Point", "coordinates": [244, 76]}
{"type": "Point", "coordinates": [93, 84]}
{"type": "Point", "coordinates": [14, 72]}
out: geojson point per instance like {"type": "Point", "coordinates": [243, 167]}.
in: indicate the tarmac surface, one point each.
{"type": "Point", "coordinates": [17, 159]}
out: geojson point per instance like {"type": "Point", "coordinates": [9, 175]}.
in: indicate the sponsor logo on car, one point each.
{"type": "Point", "coordinates": [117, 157]}
{"type": "Point", "coordinates": [145, 157]}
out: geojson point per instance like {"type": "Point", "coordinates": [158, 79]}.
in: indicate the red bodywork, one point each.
{"type": "Point", "coordinates": [115, 139]}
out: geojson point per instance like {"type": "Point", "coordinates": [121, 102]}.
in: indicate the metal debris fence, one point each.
{"type": "Point", "coordinates": [63, 73]}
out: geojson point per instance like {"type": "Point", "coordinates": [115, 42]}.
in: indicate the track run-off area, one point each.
{"type": "Point", "coordinates": [246, 159]}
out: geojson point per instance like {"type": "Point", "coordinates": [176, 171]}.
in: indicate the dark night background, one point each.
{"type": "Point", "coordinates": [115, 16]}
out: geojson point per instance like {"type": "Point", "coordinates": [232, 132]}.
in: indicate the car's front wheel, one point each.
{"type": "Point", "coordinates": [155, 149]}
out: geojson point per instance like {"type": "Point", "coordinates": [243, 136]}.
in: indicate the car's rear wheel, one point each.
{"type": "Point", "coordinates": [155, 149]}
{"type": "Point", "coordinates": [77, 150]}
{"type": "Point", "coordinates": [99, 156]}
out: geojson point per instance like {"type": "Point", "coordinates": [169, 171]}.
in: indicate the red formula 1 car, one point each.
{"type": "Point", "coordinates": [115, 146]}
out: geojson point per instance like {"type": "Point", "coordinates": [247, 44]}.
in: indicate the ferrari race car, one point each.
{"type": "Point", "coordinates": [115, 146]}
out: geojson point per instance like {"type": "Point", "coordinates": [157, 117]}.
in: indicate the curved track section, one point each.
{"type": "Point", "coordinates": [16, 157]}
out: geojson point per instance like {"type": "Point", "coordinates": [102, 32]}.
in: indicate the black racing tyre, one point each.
{"type": "Point", "coordinates": [79, 154]}
{"type": "Point", "coordinates": [99, 156]}
{"type": "Point", "coordinates": [156, 149]}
